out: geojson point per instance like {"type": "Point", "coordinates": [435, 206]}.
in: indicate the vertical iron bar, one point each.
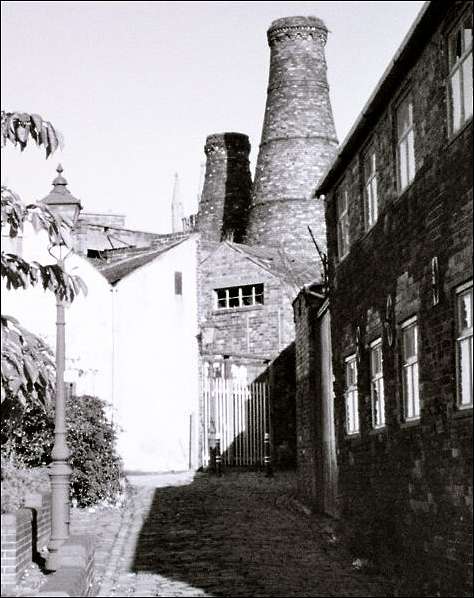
{"type": "Point", "coordinates": [59, 469]}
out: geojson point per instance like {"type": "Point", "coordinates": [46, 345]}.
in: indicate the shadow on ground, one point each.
{"type": "Point", "coordinates": [233, 536]}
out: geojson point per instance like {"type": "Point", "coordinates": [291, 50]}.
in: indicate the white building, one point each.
{"type": "Point", "coordinates": [131, 341]}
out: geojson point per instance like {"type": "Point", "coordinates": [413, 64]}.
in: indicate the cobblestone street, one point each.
{"type": "Point", "coordinates": [237, 535]}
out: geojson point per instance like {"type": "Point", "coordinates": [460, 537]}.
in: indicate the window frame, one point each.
{"type": "Point", "coordinates": [351, 398]}
{"type": "Point", "coordinates": [375, 380]}
{"type": "Point", "coordinates": [178, 283]}
{"type": "Point", "coordinates": [368, 182]}
{"type": "Point", "coordinates": [413, 364]}
{"type": "Point", "coordinates": [404, 140]}
{"type": "Point", "coordinates": [454, 67]}
{"type": "Point", "coordinates": [240, 296]}
{"type": "Point", "coordinates": [462, 289]}
{"type": "Point", "coordinates": [342, 216]}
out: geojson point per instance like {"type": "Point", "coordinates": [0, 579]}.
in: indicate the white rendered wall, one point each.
{"type": "Point", "coordinates": [133, 345]}
{"type": "Point", "coordinates": [156, 363]}
{"type": "Point", "coordinates": [88, 318]}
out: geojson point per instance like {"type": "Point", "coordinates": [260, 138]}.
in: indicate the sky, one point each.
{"type": "Point", "coordinates": [136, 87]}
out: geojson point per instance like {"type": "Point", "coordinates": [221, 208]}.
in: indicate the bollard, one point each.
{"type": "Point", "coordinates": [218, 457]}
{"type": "Point", "coordinates": [212, 459]}
{"type": "Point", "coordinates": [267, 459]}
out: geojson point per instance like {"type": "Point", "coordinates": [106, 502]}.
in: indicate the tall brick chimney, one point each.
{"type": "Point", "coordinates": [225, 198]}
{"type": "Point", "coordinates": [298, 140]}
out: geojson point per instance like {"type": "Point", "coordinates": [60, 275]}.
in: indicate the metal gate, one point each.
{"type": "Point", "coordinates": [236, 413]}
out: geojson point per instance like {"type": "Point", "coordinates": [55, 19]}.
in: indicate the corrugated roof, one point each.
{"type": "Point", "coordinates": [280, 264]}
{"type": "Point", "coordinates": [116, 270]}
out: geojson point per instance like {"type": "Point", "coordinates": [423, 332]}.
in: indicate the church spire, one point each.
{"type": "Point", "coordinates": [177, 212]}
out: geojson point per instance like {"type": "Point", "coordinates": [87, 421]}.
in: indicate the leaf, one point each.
{"type": "Point", "coordinates": [37, 125]}
{"type": "Point", "coordinates": [22, 134]}
{"type": "Point", "coordinates": [10, 319]}
{"type": "Point", "coordinates": [82, 285]}
{"type": "Point", "coordinates": [12, 137]}
{"type": "Point", "coordinates": [52, 138]}
{"type": "Point", "coordinates": [31, 369]}
{"type": "Point", "coordinates": [44, 134]}
{"type": "Point", "coordinates": [36, 222]}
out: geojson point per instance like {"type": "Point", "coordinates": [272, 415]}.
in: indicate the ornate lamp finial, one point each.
{"type": "Point", "coordinates": [60, 180]}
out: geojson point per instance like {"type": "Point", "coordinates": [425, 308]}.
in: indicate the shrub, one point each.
{"type": "Point", "coordinates": [97, 468]}
{"type": "Point", "coordinates": [27, 435]}
{"type": "Point", "coordinates": [17, 483]}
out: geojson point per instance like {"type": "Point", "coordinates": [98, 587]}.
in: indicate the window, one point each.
{"type": "Point", "coordinates": [351, 396]}
{"type": "Point", "coordinates": [178, 283]}
{"type": "Point", "coordinates": [370, 189]}
{"type": "Point", "coordinates": [405, 143]}
{"type": "Point", "coordinates": [245, 296]}
{"type": "Point", "coordinates": [411, 393]}
{"type": "Point", "coordinates": [342, 199]}
{"type": "Point", "coordinates": [460, 74]}
{"type": "Point", "coordinates": [376, 384]}
{"type": "Point", "coordinates": [464, 346]}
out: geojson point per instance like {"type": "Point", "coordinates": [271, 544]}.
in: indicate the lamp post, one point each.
{"type": "Point", "coordinates": [60, 201]}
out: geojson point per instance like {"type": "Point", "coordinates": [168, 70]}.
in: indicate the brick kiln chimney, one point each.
{"type": "Point", "coordinates": [225, 198]}
{"type": "Point", "coordinates": [298, 140]}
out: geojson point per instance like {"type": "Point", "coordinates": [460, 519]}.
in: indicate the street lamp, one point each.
{"type": "Point", "coordinates": [60, 201]}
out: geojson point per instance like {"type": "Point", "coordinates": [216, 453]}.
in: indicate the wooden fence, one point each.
{"type": "Point", "coordinates": [238, 414]}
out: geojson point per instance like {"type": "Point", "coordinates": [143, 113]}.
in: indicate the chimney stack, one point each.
{"type": "Point", "coordinates": [298, 140]}
{"type": "Point", "coordinates": [225, 198]}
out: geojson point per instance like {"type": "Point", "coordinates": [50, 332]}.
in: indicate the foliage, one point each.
{"type": "Point", "coordinates": [96, 465]}
{"type": "Point", "coordinates": [18, 127]}
{"type": "Point", "coordinates": [27, 433]}
{"type": "Point", "coordinates": [18, 272]}
{"type": "Point", "coordinates": [17, 483]}
{"type": "Point", "coordinates": [27, 438]}
{"type": "Point", "coordinates": [27, 368]}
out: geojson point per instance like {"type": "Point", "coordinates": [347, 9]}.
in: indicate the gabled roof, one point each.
{"type": "Point", "coordinates": [120, 266]}
{"type": "Point", "coordinates": [280, 264]}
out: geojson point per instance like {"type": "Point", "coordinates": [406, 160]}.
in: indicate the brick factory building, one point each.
{"type": "Point", "coordinates": [399, 222]}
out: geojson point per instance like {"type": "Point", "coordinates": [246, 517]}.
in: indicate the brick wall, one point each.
{"type": "Point", "coordinates": [306, 371]}
{"type": "Point", "coordinates": [24, 534]}
{"type": "Point", "coordinates": [280, 375]}
{"type": "Point", "coordinates": [316, 449]}
{"type": "Point", "coordinates": [16, 546]}
{"type": "Point", "coordinates": [76, 573]}
{"type": "Point", "coordinates": [40, 505]}
{"type": "Point", "coordinates": [260, 330]}
{"type": "Point", "coordinates": [407, 488]}
{"type": "Point", "coordinates": [259, 337]}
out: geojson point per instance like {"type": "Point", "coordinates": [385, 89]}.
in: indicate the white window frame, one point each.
{"type": "Point", "coordinates": [343, 236]}
{"type": "Point", "coordinates": [377, 393]}
{"type": "Point", "coordinates": [405, 146]}
{"type": "Point", "coordinates": [255, 298]}
{"type": "Point", "coordinates": [464, 337]}
{"type": "Point", "coordinates": [351, 398]}
{"type": "Point", "coordinates": [410, 370]}
{"type": "Point", "coordinates": [458, 67]}
{"type": "Point", "coordinates": [370, 188]}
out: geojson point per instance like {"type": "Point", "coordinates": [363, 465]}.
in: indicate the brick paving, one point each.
{"type": "Point", "coordinates": [237, 535]}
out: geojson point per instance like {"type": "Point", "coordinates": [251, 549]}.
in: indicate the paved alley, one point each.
{"type": "Point", "coordinates": [231, 536]}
